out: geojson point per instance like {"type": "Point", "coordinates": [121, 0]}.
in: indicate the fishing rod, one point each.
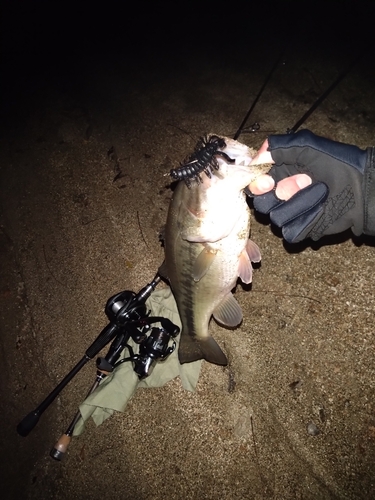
{"type": "Point", "coordinates": [255, 126]}
{"type": "Point", "coordinates": [323, 96]}
{"type": "Point", "coordinates": [128, 319]}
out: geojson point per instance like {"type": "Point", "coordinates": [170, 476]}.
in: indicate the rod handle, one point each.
{"type": "Point", "coordinates": [59, 450]}
{"type": "Point", "coordinates": [28, 423]}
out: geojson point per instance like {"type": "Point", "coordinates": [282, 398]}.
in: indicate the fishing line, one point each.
{"type": "Point", "coordinates": [238, 133]}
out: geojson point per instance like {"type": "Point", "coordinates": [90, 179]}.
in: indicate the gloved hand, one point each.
{"type": "Point", "coordinates": [339, 196]}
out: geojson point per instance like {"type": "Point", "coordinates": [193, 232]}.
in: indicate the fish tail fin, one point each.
{"type": "Point", "coordinates": [192, 349]}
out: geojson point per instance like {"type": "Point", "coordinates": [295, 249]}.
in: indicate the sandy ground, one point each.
{"type": "Point", "coordinates": [88, 140]}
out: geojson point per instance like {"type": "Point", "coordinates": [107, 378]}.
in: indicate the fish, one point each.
{"type": "Point", "coordinates": [207, 248]}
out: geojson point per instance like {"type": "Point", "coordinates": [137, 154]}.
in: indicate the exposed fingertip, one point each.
{"type": "Point", "coordinates": [263, 184]}
{"type": "Point", "coordinates": [303, 180]}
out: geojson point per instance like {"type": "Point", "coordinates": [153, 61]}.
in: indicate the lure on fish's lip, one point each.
{"type": "Point", "coordinates": [207, 247]}
{"type": "Point", "coordinates": [203, 159]}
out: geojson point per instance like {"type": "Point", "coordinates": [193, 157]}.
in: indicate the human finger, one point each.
{"type": "Point", "coordinates": [289, 186]}
{"type": "Point", "coordinates": [263, 155]}
{"type": "Point", "coordinates": [262, 184]}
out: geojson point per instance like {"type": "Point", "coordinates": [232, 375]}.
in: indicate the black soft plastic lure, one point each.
{"type": "Point", "coordinates": [202, 160]}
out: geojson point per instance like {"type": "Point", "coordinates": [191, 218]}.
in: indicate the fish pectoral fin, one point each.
{"type": "Point", "coordinates": [253, 251]}
{"type": "Point", "coordinates": [249, 255]}
{"type": "Point", "coordinates": [194, 348]}
{"type": "Point", "coordinates": [228, 312]}
{"type": "Point", "coordinates": [245, 269]}
{"type": "Point", "coordinates": [203, 262]}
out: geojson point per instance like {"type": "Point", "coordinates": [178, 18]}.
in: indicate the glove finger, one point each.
{"type": "Point", "coordinates": [280, 172]}
{"type": "Point", "coordinates": [264, 203]}
{"type": "Point", "coordinates": [299, 228]}
{"type": "Point", "coordinates": [303, 202]}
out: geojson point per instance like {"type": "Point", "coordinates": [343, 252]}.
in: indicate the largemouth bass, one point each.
{"type": "Point", "coordinates": [207, 248]}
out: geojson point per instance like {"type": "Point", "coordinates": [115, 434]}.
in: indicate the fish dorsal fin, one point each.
{"type": "Point", "coordinates": [162, 234]}
{"type": "Point", "coordinates": [203, 262]}
{"type": "Point", "coordinates": [162, 271]}
{"type": "Point", "coordinates": [228, 312]}
{"type": "Point", "coordinates": [253, 251]}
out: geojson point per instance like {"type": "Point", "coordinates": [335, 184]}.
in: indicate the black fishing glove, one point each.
{"type": "Point", "coordinates": [342, 193]}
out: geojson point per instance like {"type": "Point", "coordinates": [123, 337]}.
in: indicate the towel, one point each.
{"type": "Point", "coordinates": [115, 390]}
